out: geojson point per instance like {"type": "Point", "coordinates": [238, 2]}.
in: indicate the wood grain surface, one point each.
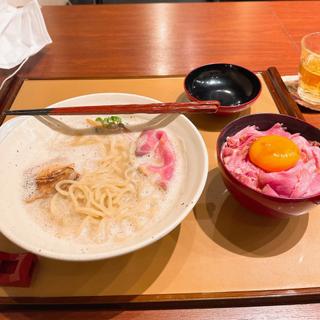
{"type": "Point", "coordinates": [170, 39]}
{"type": "Point", "coordinates": [162, 39]}
{"type": "Point", "coordinates": [297, 18]}
{"type": "Point", "coordinates": [293, 312]}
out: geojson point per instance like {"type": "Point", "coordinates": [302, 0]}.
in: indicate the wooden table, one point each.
{"type": "Point", "coordinates": [171, 39]}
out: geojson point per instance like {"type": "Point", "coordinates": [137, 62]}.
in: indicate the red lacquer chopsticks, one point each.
{"type": "Point", "coordinates": [171, 107]}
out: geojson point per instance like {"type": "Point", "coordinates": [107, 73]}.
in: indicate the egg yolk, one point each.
{"type": "Point", "coordinates": [274, 153]}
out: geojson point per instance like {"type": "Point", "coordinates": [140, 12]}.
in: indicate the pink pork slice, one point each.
{"type": "Point", "coordinates": [301, 180]}
{"type": "Point", "coordinates": [157, 142]}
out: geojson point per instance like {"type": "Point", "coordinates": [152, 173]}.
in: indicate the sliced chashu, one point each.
{"type": "Point", "coordinates": [47, 177]}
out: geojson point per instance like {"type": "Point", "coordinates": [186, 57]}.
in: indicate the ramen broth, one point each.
{"type": "Point", "coordinates": [86, 153]}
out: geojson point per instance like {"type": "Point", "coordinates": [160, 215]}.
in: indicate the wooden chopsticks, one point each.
{"type": "Point", "coordinates": [171, 107]}
{"type": "Point", "coordinates": [280, 94]}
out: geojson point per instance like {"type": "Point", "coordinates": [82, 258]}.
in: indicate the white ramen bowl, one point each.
{"type": "Point", "coordinates": [16, 223]}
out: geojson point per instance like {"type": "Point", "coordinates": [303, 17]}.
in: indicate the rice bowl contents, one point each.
{"type": "Point", "coordinates": [297, 176]}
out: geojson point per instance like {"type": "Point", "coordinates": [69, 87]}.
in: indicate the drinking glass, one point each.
{"type": "Point", "coordinates": [309, 69]}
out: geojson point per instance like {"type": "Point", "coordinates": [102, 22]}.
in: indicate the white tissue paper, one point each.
{"type": "Point", "coordinates": [23, 33]}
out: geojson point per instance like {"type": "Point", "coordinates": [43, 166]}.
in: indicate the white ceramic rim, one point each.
{"type": "Point", "coordinates": [10, 124]}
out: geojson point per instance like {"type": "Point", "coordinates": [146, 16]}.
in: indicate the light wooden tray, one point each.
{"type": "Point", "coordinates": [220, 251]}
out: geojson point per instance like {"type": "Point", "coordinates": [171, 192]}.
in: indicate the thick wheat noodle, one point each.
{"type": "Point", "coordinates": [111, 191]}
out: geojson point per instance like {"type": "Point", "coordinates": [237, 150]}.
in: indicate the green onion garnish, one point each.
{"type": "Point", "coordinates": [108, 122]}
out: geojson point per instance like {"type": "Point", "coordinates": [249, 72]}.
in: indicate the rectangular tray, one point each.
{"type": "Point", "coordinates": [220, 253]}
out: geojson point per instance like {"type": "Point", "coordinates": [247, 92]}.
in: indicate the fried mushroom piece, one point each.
{"type": "Point", "coordinates": [46, 179]}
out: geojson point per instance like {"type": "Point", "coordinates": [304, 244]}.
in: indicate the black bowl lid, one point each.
{"type": "Point", "coordinates": [230, 84]}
